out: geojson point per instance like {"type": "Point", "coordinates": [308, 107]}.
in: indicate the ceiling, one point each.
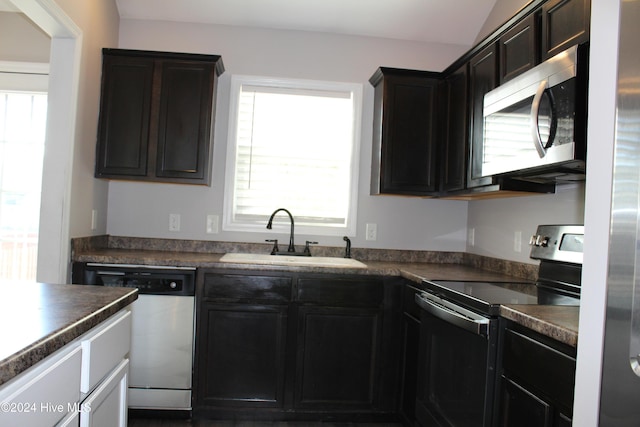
{"type": "Point", "coordinates": [430, 21]}
{"type": "Point", "coordinates": [7, 6]}
{"type": "Point", "coordinates": [439, 21]}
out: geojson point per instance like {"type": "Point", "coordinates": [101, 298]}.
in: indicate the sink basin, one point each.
{"type": "Point", "coordinates": [306, 261]}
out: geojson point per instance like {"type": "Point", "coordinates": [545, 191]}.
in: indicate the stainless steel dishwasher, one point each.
{"type": "Point", "coordinates": [161, 357]}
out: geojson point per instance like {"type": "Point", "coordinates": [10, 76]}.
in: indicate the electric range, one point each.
{"type": "Point", "coordinates": [559, 249]}
{"type": "Point", "coordinates": [459, 329]}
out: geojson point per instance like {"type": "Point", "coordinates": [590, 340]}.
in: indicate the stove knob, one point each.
{"type": "Point", "coordinates": [173, 285]}
{"type": "Point", "coordinates": [538, 240]}
{"type": "Point", "coordinates": [542, 241]}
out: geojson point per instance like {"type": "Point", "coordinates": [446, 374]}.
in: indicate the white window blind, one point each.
{"type": "Point", "coordinates": [293, 144]}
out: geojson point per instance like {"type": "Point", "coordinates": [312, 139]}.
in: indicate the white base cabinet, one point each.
{"type": "Point", "coordinates": [41, 395]}
{"type": "Point", "coordinates": [107, 405]}
{"type": "Point", "coordinates": [82, 384]}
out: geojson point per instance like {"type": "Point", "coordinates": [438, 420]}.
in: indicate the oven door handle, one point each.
{"type": "Point", "coordinates": [454, 314]}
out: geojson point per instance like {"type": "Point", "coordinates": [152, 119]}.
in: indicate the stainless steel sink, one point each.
{"type": "Point", "coordinates": [335, 262]}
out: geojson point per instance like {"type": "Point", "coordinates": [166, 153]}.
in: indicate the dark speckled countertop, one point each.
{"type": "Point", "coordinates": [415, 271]}
{"type": "Point", "coordinates": [560, 323]}
{"type": "Point", "coordinates": [38, 319]}
{"type": "Point", "coordinates": [555, 321]}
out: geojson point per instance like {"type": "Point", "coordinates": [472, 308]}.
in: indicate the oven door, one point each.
{"type": "Point", "coordinates": [456, 372]}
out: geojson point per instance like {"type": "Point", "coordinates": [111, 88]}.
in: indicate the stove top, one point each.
{"type": "Point", "coordinates": [487, 297]}
{"type": "Point", "coordinates": [559, 249]}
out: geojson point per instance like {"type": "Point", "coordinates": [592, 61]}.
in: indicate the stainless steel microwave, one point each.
{"type": "Point", "coordinates": [535, 125]}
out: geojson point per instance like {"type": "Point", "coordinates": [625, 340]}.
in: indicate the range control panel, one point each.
{"type": "Point", "coordinates": [563, 243]}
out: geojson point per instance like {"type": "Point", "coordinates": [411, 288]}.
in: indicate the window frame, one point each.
{"type": "Point", "coordinates": [228, 222]}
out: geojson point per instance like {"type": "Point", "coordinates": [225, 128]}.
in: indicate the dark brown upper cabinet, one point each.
{"type": "Point", "coordinates": [404, 132]}
{"type": "Point", "coordinates": [519, 48]}
{"type": "Point", "coordinates": [409, 133]}
{"type": "Point", "coordinates": [564, 23]}
{"type": "Point", "coordinates": [156, 116]}
{"type": "Point", "coordinates": [455, 149]}
{"type": "Point", "coordinates": [483, 77]}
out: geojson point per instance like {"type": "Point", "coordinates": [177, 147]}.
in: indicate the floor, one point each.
{"type": "Point", "coordinates": [142, 422]}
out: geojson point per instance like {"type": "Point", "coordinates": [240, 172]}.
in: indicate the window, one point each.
{"type": "Point", "coordinates": [22, 129]}
{"type": "Point", "coordinates": [293, 144]}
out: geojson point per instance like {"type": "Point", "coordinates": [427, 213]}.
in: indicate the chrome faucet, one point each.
{"type": "Point", "coordinates": [291, 248]}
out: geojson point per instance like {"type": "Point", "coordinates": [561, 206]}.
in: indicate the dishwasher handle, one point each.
{"type": "Point", "coordinates": [454, 314]}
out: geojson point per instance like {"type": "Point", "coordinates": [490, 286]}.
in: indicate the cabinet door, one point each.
{"type": "Point", "coordinates": [184, 123]}
{"type": "Point", "coordinates": [241, 355]}
{"type": "Point", "coordinates": [455, 149]}
{"type": "Point", "coordinates": [520, 408]}
{"type": "Point", "coordinates": [409, 369]}
{"type": "Point", "coordinates": [564, 23]}
{"type": "Point", "coordinates": [337, 355]}
{"type": "Point", "coordinates": [103, 348]}
{"type": "Point", "coordinates": [519, 49]}
{"type": "Point", "coordinates": [483, 70]}
{"type": "Point", "coordinates": [42, 395]}
{"type": "Point", "coordinates": [106, 406]}
{"type": "Point", "coordinates": [405, 127]}
{"type": "Point", "coordinates": [538, 378]}
{"type": "Point", "coordinates": [540, 366]}
{"type": "Point", "coordinates": [125, 111]}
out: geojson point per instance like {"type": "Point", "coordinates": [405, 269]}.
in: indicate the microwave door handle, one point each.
{"type": "Point", "coordinates": [535, 111]}
{"type": "Point", "coordinates": [460, 317]}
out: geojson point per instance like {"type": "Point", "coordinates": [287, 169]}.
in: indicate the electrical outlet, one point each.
{"type": "Point", "coordinates": [472, 237]}
{"type": "Point", "coordinates": [372, 232]}
{"type": "Point", "coordinates": [94, 219]}
{"type": "Point", "coordinates": [174, 222]}
{"type": "Point", "coordinates": [517, 241]}
{"type": "Point", "coordinates": [212, 224]}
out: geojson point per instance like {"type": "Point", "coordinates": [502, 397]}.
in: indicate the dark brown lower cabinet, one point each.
{"type": "Point", "coordinates": [338, 357]}
{"type": "Point", "coordinates": [537, 382]}
{"type": "Point", "coordinates": [277, 346]}
{"type": "Point", "coordinates": [243, 356]}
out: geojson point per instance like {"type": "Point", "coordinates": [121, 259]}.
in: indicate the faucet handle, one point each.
{"type": "Point", "coordinates": [275, 248]}
{"type": "Point", "coordinates": [307, 250]}
{"type": "Point", "coordinates": [347, 249]}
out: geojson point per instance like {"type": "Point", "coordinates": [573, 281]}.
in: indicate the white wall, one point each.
{"type": "Point", "coordinates": [495, 222]}
{"type": "Point", "coordinates": [99, 21]}
{"type": "Point", "coordinates": [34, 43]}
{"type": "Point", "coordinates": [142, 209]}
